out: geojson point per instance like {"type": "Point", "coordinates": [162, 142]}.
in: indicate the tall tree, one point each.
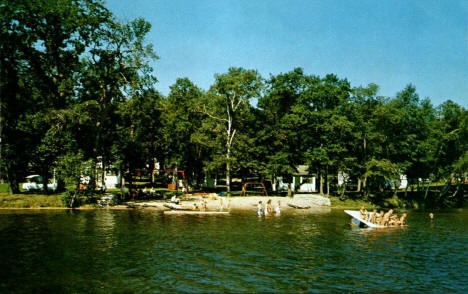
{"type": "Point", "coordinates": [44, 41]}
{"type": "Point", "coordinates": [227, 100]}
{"type": "Point", "coordinates": [182, 122]}
{"type": "Point", "coordinates": [322, 108]}
{"type": "Point", "coordinates": [117, 68]}
{"type": "Point", "coordinates": [278, 134]}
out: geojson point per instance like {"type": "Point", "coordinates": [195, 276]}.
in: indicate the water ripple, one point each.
{"type": "Point", "coordinates": [145, 251]}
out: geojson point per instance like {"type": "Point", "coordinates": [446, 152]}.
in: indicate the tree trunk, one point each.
{"type": "Point", "coordinates": [359, 185]}
{"type": "Point", "coordinates": [364, 186]}
{"type": "Point", "coordinates": [12, 180]}
{"type": "Point", "coordinates": [130, 182]}
{"type": "Point", "coordinates": [103, 173]}
{"type": "Point", "coordinates": [228, 171]}
{"type": "Point", "coordinates": [427, 190]}
{"type": "Point", "coordinates": [328, 182]}
{"type": "Point", "coordinates": [45, 180]}
{"type": "Point", "coordinates": [406, 189]}
{"type": "Point", "coordinates": [321, 183]}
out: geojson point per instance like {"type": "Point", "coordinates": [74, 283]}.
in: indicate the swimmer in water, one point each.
{"type": "Point", "coordinates": [278, 208]}
{"type": "Point", "coordinates": [268, 208]}
{"type": "Point", "coordinates": [402, 220]}
{"type": "Point", "coordinates": [259, 208]}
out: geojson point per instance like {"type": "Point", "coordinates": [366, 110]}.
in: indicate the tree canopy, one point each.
{"type": "Point", "coordinates": [77, 89]}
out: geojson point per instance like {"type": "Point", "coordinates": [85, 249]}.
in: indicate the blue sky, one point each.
{"type": "Point", "coordinates": [388, 42]}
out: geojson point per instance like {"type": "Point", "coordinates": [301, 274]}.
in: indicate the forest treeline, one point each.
{"type": "Point", "coordinates": [77, 88]}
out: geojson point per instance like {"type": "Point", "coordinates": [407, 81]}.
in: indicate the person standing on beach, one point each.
{"type": "Point", "coordinates": [221, 202]}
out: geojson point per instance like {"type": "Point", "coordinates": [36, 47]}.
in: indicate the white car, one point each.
{"type": "Point", "coordinates": [34, 182]}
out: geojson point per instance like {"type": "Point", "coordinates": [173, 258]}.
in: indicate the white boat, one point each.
{"type": "Point", "coordinates": [195, 212]}
{"type": "Point", "coordinates": [175, 206]}
{"type": "Point", "coordinates": [357, 215]}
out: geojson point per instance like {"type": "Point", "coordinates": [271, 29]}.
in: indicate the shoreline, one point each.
{"type": "Point", "coordinates": [308, 203]}
{"type": "Point", "coordinates": [235, 203]}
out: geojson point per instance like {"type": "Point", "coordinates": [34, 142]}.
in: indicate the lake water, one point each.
{"type": "Point", "coordinates": [144, 251]}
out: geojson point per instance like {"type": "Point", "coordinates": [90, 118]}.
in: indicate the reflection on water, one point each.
{"type": "Point", "coordinates": [146, 251]}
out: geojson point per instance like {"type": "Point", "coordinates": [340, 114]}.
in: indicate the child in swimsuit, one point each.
{"type": "Point", "coordinates": [364, 213]}
{"type": "Point", "coordinates": [278, 208]}
{"type": "Point", "coordinates": [259, 208]}
{"type": "Point", "coordinates": [268, 208]}
{"type": "Point", "coordinates": [386, 218]}
{"type": "Point", "coordinates": [373, 217]}
{"type": "Point", "coordinates": [379, 217]}
{"type": "Point", "coordinates": [402, 219]}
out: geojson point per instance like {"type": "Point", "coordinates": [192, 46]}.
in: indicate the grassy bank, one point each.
{"type": "Point", "coordinates": [4, 188]}
{"type": "Point", "coordinates": [30, 200]}
{"type": "Point", "coordinates": [350, 203]}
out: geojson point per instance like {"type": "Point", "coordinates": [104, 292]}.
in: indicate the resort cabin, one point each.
{"type": "Point", "coordinates": [302, 180]}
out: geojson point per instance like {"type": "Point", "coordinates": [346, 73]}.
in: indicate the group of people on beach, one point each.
{"type": "Point", "coordinates": [383, 219]}
{"type": "Point", "coordinates": [202, 206]}
{"type": "Point", "coordinates": [268, 208]}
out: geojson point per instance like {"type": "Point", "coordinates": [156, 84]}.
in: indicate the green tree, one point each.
{"type": "Point", "coordinates": [42, 43]}
{"type": "Point", "coordinates": [181, 122]}
{"type": "Point", "coordinates": [116, 69]}
{"type": "Point", "coordinates": [278, 134]}
{"type": "Point", "coordinates": [227, 100]}
{"type": "Point", "coordinates": [322, 110]}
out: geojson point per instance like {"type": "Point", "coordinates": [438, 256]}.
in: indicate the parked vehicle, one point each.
{"type": "Point", "coordinates": [34, 183]}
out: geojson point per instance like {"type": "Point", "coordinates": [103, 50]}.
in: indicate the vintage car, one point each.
{"type": "Point", "coordinates": [34, 183]}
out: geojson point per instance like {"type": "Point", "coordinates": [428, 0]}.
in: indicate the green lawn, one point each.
{"type": "Point", "coordinates": [4, 188]}
{"type": "Point", "coordinates": [30, 200]}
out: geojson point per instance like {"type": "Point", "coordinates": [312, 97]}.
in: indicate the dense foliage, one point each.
{"type": "Point", "coordinates": [77, 89]}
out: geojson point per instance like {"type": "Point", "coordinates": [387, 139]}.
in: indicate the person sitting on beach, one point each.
{"type": "Point", "coordinates": [195, 207]}
{"type": "Point", "coordinates": [386, 218]}
{"type": "Point", "coordinates": [278, 208]}
{"type": "Point", "coordinates": [175, 200]}
{"type": "Point", "coordinates": [203, 204]}
{"type": "Point", "coordinates": [259, 208]}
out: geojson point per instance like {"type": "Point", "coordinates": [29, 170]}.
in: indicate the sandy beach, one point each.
{"type": "Point", "coordinates": [302, 202]}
